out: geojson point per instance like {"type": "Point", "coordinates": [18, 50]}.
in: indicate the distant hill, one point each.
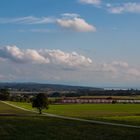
{"type": "Point", "coordinates": [39, 86]}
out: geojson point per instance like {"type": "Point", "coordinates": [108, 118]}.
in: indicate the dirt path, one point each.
{"type": "Point", "coordinates": [76, 119]}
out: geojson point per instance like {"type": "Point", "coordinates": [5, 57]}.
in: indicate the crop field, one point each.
{"type": "Point", "coordinates": [114, 97]}
{"type": "Point", "coordinates": [135, 97]}
{"type": "Point", "coordinates": [33, 127]}
{"type": "Point", "coordinates": [118, 113]}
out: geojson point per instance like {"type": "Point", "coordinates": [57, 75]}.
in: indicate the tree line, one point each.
{"type": "Point", "coordinates": [39, 101]}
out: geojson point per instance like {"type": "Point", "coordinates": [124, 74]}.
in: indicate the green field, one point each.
{"type": "Point", "coordinates": [114, 97]}
{"type": "Point", "coordinates": [6, 110]}
{"type": "Point", "coordinates": [118, 113]}
{"type": "Point", "coordinates": [31, 126]}
{"type": "Point", "coordinates": [132, 97]}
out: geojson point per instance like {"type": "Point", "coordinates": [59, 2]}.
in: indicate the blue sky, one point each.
{"type": "Point", "coordinates": [78, 42]}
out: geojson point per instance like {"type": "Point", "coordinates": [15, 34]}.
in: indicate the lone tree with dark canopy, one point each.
{"type": "Point", "coordinates": [41, 102]}
{"type": "Point", "coordinates": [4, 94]}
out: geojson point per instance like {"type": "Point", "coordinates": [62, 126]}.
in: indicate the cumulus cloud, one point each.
{"type": "Point", "coordinates": [130, 7]}
{"type": "Point", "coordinates": [133, 72]}
{"type": "Point", "coordinates": [92, 2]}
{"type": "Point", "coordinates": [60, 57]}
{"type": "Point", "coordinates": [115, 66]}
{"type": "Point", "coordinates": [120, 64]}
{"type": "Point", "coordinates": [119, 70]}
{"type": "Point", "coordinates": [107, 67]}
{"type": "Point", "coordinates": [43, 56]}
{"type": "Point", "coordinates": [15, 54]}
{"type": "Point", "coordinates": [77, 24]}
{"type": "Point", "coordinates": [47, 64]}
{"type": "Point", "coordinates": [67, 20]}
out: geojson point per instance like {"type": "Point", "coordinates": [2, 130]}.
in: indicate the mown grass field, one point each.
{"type": "Point", "coordinates": [118, 113]}
{"type": "Point", "coordinates": [34, 127]}
{"type": "Point", "coordinates": [8, 110]}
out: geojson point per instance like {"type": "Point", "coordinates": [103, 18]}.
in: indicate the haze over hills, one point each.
{"type": "Point", "coordinates": [39, 86]}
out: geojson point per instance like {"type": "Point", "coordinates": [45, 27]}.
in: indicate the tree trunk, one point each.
{"type": "Point", "coordinates": [40, 111]}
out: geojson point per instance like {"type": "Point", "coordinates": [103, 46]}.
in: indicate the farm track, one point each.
{"type": "Point", "coordinates": [16, 115]}
{"type": "Point", "coordinates": [75, 119]}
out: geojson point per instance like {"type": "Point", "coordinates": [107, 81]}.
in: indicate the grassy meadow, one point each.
{"type": "Point", "coordinates": [119, 113]}
{"type": "Point", "coordinates": [21, 125]}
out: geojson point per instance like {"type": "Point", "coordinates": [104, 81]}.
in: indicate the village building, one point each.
{"type": "Point", "coordinates": [94, 101]}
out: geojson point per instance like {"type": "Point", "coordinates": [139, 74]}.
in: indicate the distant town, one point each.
{"type": "Point", "coordinates": [65, 94]}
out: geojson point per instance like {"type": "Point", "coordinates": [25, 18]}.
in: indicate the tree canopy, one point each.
{"type": "Point", "coordinates": [41, 102]}
{"type": "Point", "coordinates": [4, 94]}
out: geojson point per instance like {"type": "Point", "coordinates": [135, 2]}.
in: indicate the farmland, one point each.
{"type": "Point", "coordinates": [118, 113]}
{"type": "Point", "coordinates": [114, 97]}
{"type": "Point", "coordinates": [6, 110]}
{"type": "Point", "coordinates": [31, 126]}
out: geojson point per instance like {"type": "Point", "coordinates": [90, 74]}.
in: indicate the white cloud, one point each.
{"type": "Point", "coordinates": [15, 54]}
{"type": "Point", "coordinates": [77, 24]}
{"type": "Point", "coordinates": [63, 58]}
{"type": "Point", "coordinates": [57, 65]}
{"type": "Point", "coordinates": [28, 20]}
{"type": "Point", "coordinates": [133, 72]}
{"type": "Point", "coordinates": [119, 70]}
{"type": "Point", "coordinates": [70, 15]}
{"type": "Point", "coordinates": [120, 64]}
{"type": "Point", "coordinates": [43, 56]}
{"type": "Point", "coordinates": [12, 53]}
{"type": "Point", "coordinates": [74, 22]}
{"type": "Point", "coordinates": [35, 30]}
{"type": "Point", "coordinates": [92, 2]}
{"type": "Point", "coordinates": [35, 57]}
{"type": "Point", "coordinates": [6, 77]}
{"type": "Point", "coordinates": [109, 68]}
{"type": "Point", "coordinates": [67, 20]}
{"type": "Point", "coordinates": [2, 77]}
{"type": "Point", "coordinates": [118, 8]}
{"type": "Point", "coordinates": [126, 7]}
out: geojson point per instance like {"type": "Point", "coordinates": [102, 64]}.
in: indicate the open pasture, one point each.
{"type": "Point", "coordinates": [119, 113]}
{"type": "Point", "coordinates": [32, 127]}
{"type": "Point", "coordinates": [6, 110]}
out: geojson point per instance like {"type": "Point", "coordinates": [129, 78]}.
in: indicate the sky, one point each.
{"type": "Point", "coordinates": [74, 42]}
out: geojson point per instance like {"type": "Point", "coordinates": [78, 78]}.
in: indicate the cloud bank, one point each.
{"type": "Point", "coordinates": [57, 65]}
{"type": "Point", "coordinates": [43, 56]}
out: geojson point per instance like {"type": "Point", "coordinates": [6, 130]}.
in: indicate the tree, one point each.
{"type": "Point", "coordinates": [4, 94]}
{"type": "Point", "coordinates": [55, 94]}
{"type": "Point", "coordinates": [40, 102]}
